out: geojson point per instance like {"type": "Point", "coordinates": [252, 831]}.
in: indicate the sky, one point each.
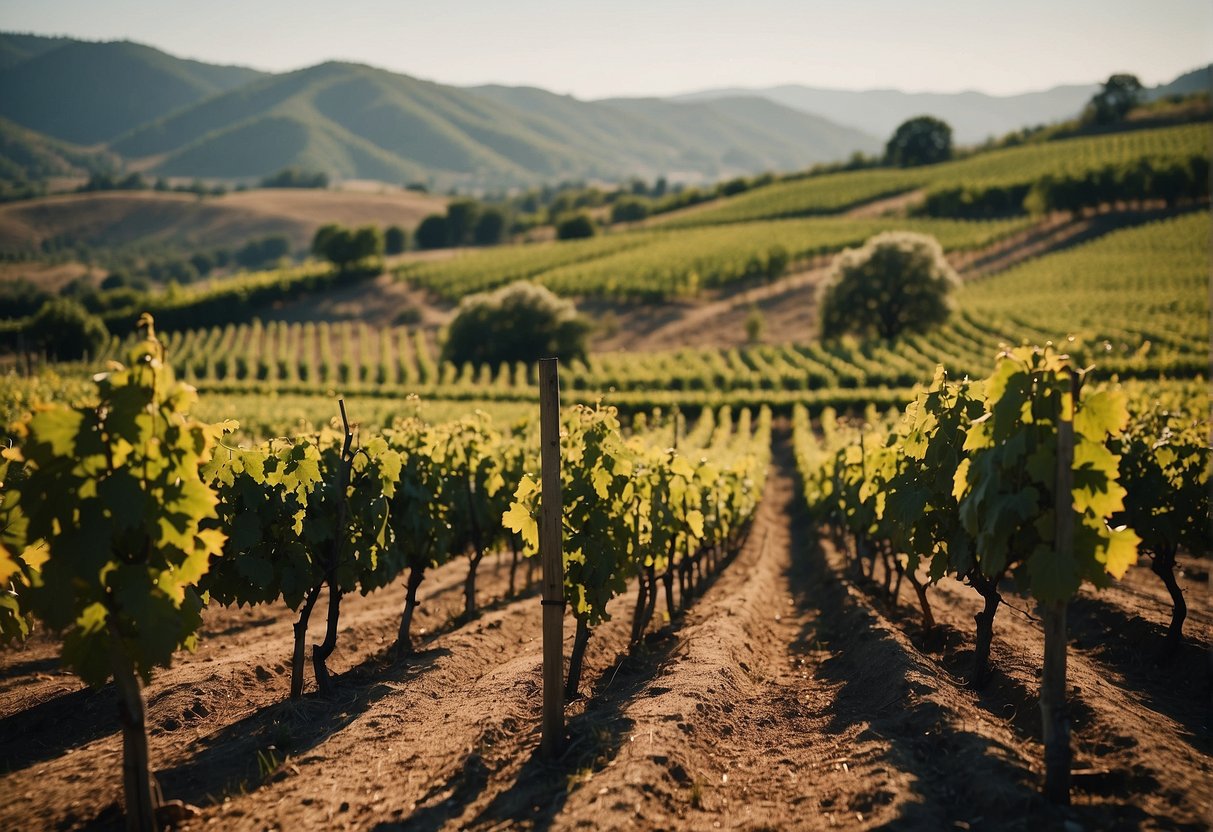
{"type": "Point", "coordinates": [659, 47]}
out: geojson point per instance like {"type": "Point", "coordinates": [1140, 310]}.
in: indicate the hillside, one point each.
{"type": "Point", "coordinates": [27, 156]}
{"type": "Point", "coordinates": [88, 93]}
{"type": "Point", "coordinates": [360, 122]}
{"type": "Point", "coordinates": [118, 218]}
{"type": "Point", "coordinates": [974, 116]}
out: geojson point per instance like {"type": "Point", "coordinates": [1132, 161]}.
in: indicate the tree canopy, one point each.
{"type": "Point", "coordinates": [518, 322]}
{"type": "Point", "coordinates": [1118, 95]}
{"type": "Point", "coordinates": [66, 330]}
{"type": "Point", "coordinates": [344, 247]}
{"type": "Point", "coordinates": [576, 227]}
{"type": "Point", "coordinates": [896, 282]}
{"type": "Point", "coordinates": [432, 233]}
{"type": "Point", "coordinates": [924, 140]}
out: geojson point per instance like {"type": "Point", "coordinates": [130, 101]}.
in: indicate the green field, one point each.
{"type": "Point", "coordinates": [654, 265]}
{"type": "Point", "coordinates": [1025, 164]}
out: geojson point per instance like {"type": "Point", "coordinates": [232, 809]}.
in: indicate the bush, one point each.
{"type": "Point", "coordinates": [395, 240]}
{"type": "Point", "coordinates": [920, 141]}
{"type": "Point", "coordinates": [898, 281]}
{"type": "Point", "coordinates": [630, 209]}
{"type": "Point", "coordinates": [66, 330]}
{"type": "Point", "coordinates": [490, 227]}
{"type": "Point", "coordinates": [345, 247]}
{"type": "Point", "coordinates": [432, 233]}
{"type": "Point", "coordinates": [518, 322]}
{"type": "Point", "coordinates": [576, 227]}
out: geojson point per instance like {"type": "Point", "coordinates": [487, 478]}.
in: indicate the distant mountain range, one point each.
{"type": "Point", "coordinates": [974, 116]}
{"type": "Point", "coordinates": [174, 117]}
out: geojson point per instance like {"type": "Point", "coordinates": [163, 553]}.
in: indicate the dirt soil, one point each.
{"type": "Point", "coordinates": [119, 217]}
{"type": "Point", "coordinates": [791, 695]}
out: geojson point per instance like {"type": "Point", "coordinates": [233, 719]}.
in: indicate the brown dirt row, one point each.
{"type": "Point", "coordinates": [790, 696]}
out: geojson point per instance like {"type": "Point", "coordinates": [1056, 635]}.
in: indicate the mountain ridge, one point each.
{"type": "Point", "coordinates": [176, 117]}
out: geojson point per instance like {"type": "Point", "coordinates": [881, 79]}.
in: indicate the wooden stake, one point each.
{"type": "Point", "coordinates": [550, 553]}
{"type": "Point", "coordinates": [1055, 725]}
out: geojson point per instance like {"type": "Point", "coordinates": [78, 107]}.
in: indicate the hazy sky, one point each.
{"type": "Point", "coordinates": [654, 47]}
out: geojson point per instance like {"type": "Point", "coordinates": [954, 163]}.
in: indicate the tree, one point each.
{"type": "Point", "coordinates": [432, 233]}
{"type": "Point", "coordinates": [1119, 94]}
{"type": "Point", "coordinates": [897, 281]}
{"type": "Point", "coordinates": [924, 140]}
{"type": "Point", "coordinates": [630, 209]}
{"type": "Point", "coordinates": [461, 216]}
{"type": "Point", "coordinates": [66, 330]}
{"type": "Point", "coordinates": [395, 240]}
{"type": "Point", "coordinates": [576, 227]}
{"type": "Point", "coordinates": [324, 234]}
{"type": "Point", "coordinates": [344, 247]}
{"type": "Point", "coordinates": [518, 322]}
{"type": "Point", "coordinates": [490, 227]}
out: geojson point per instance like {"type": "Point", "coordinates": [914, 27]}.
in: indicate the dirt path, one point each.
{"type": "Point", "coordinates": [791, 695]}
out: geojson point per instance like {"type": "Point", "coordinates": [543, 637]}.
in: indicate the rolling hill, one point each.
{"type": "Point", "coordinates": [89, 93]}
{"type": "Point", "coordinates": [974, 116]}
{"type": "Point", "coordinates": [27, 156]}
{"type": "Point", "coordinates": [360, 122]}
{"type": "Point", "coordinates": [117, 218]}
{"type": "Point", "coordinates": [173, 117]}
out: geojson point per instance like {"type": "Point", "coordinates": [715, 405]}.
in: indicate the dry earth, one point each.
{"type": "Point", "coordinates": [117, 218]}
{"type": "Point", "coordinates": [791, 695]}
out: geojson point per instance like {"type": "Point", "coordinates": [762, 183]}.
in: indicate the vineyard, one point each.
{"type": "Point", "coordinates": [656, 265]}
{"type": "Point", "coordinates": [956, 578]}
{"type": "Point", "coordinates": [1015, 165]}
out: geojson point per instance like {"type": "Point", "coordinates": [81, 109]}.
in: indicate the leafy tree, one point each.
{"type": "Point", "coordinates": [66, 330]}
{"type": "Point", "coordinates": [490, 227]}
{"type": "Point", "coordinates": [897, 281]}
{"type": "Point", "coordinates": [461, 217]}
{"type": "Point", "coordinates": [1119, 94]}
{"type": "Point", "coordinates": [395, 240]}
{"type": "Point", "coordinates": [924, 140]}
{"type": "Point", "coordinates": [518, 322]}
{"type": "Point", "coordinates": [432, 233]}
{"type": "Point", "coordinates": [630, 209]}
{"type": "Point", "coordinates": [344, 247]}
{"type": "Point", "coordinates": [577, 227]}
{"type": "Point", "coordinates": [320, 241]}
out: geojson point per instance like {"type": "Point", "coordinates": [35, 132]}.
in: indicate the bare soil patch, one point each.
{"type": "Point", "coordinates": [791, 695]}
{"type": "Point", "coordinates": [118, 218]}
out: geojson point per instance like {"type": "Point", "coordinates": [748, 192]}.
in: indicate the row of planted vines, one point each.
{"type": "Point", "coordinates": [1030, 477]}
{"type": "Point", "coordinates": [123, 517]}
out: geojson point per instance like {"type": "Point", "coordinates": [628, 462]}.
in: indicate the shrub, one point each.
{"type": "Point", "coordinates": [518, 322]}
{"type": "Point", "coordinates": [66, 330]}
{"type": "Point", "coordinates": [898, 281]}
{"type": "Point", "coordinates": [576, 227]}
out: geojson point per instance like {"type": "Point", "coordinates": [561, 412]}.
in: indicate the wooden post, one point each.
{"type": "Point", "coordinates": [1054, 722]}
{"type": "Point", "coordinates": [550, 553]}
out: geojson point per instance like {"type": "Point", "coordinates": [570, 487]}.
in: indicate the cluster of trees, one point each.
{"type": "Point", "coordinates": [1171, 181]}
{"type": "Point", "coordinates": [136, 182]}
{"type": "Point", "coordinates": [296, 178]}
{"type": "Point", "coordinates": [347, 248]}
{"type": "Point", "coordinates": [466, 222]}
